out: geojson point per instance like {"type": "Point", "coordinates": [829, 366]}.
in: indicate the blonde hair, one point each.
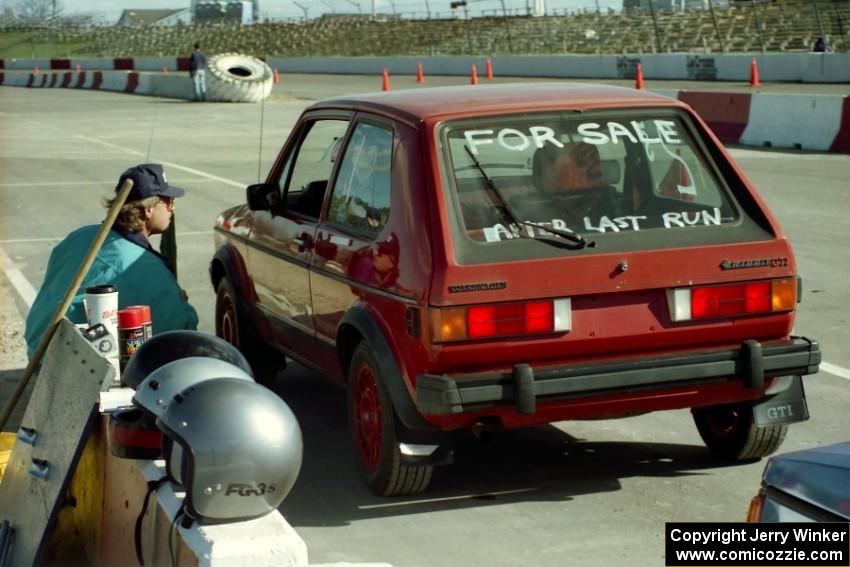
{"type": "Point", "coordinates": [131, 217]}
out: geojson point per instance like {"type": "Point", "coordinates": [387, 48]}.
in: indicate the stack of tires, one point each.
{"type": "Point", "coordinates": [233, 77]}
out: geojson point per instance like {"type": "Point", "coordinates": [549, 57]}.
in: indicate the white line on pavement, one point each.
{"type": "Point", "coordinates": [446, 499]}
{"type": "Point", "coordinates": [17, 279]}
{"type": "Point", "coordinates": [169, 164]}
{"type": "Point", "coordinates": [835, 370]}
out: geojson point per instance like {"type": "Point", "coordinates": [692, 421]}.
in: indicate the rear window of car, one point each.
{"type": "Point", "coordinates": [624, 180]}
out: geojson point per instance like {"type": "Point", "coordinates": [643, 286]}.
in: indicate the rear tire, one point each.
{"type": "Point", "coordinates": [371, 421]}
{"type": "Point", "coordinates": [264, 360]}
{"type": "Point", "coordinates": [730, 433]}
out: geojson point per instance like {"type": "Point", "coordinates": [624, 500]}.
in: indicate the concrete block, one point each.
{"type": "Point", "coordinates": [809, 122]}
{"type": "Point", "coordinates": [266, 541]}
{"type": "Point", "coordinates": [825, 67]}
{"type": "Point", "coordinates": [665, 66]}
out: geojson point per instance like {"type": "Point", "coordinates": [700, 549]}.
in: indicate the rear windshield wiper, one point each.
{"type": "Point", "coordinates": [577, 241]}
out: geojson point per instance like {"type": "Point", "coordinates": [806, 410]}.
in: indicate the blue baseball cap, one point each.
{"type": "Point", "coordinates": [148, 181]}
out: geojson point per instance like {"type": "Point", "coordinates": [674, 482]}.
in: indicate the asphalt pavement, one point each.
{"type": "Point", "coordinates": [593, 493]}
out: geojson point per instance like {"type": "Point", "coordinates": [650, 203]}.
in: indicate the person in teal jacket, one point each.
{"type": "Point", "coordinates": [126, 260]}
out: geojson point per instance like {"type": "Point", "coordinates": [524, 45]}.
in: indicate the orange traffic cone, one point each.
{"type": "Point", "coordinates": [276, 75]}
{"type": "Point", "coordinates": [165, 70]}
{"type": "Point", "coordinates": [639, 77]}
{"type": "Point", "coordinates": [386, 81]}
{"type": "Point", "coordinates": [754, 74]}
{"type": "Point", "coordinates": [488, 69]}
{"type": "Point", "coordinates": [474, 77]}
{"type": "Point", "coordinates": [420, 76]}
{"type": "Point", "coordinates": [77, 68]}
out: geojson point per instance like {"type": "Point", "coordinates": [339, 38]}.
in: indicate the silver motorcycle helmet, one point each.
{"type": "Point", "coordinates": [167, 347]}
{"type": "Point", "coordinates": [239, 449]}
{"type": "Point", "coordinates": [160, 386]}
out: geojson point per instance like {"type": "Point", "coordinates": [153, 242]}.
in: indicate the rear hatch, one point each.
{"type": "Point", "coordinates": [572, 236]}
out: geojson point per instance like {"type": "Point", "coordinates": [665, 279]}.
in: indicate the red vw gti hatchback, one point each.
{"type": "Point", "coordinates": [511, 255]}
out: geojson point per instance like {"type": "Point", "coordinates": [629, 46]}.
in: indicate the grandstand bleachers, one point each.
{"type": "Point", "coordinates": [785, 25]}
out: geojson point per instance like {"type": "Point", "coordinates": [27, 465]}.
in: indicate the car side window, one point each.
{"type": "Point", "coordinates": [312, 167]}
{"type": "Point", "coordinates": [361, 198]}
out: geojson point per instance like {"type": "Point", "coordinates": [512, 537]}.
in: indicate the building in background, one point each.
{"type": "Point", "coordinates": [142, 17]}
{"type": "Point", "coordinates": [220, 11]}
{"type": "Point", "coordinates": [539, 8]}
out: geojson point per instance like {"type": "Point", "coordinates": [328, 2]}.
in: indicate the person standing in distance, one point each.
{"type": "Point", "coordinates": [126, 260]}
{"type": "Point", "coordinates": [197, 66]}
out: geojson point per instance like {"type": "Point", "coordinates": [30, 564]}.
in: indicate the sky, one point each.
{"type": "Point", "coordinates": [110, 10]}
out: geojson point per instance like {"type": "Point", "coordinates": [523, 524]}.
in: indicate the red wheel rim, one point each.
{"type": "Point", "coordinates": [227, 321]}
{"type": "Point", "coordinates": [723, 422]}
{"type": "Point", "coordinates": [367, 417]}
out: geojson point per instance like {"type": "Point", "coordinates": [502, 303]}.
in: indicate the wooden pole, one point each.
{"type": "Point", "coordinates": [66, 302]}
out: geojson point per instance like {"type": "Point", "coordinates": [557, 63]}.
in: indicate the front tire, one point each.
{"type": "Point", "coordinates": [372, 426]}
{"type": "Point", "coordinates": [264, 361]}
{"type": "Point", "coordinates": [730, 433]}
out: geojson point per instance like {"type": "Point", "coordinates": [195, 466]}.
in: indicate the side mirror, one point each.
{"type": "Point", "coordinates": [262, 197]}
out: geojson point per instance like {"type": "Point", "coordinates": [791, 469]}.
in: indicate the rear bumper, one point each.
{"type": "Point", "coordinates": [525, 386]}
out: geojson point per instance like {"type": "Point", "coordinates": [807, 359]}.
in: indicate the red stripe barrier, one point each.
{"type": "Point", "coordinates": [66, 79]}
{"type": "Point", "coordinates": [726, 113]}
{"type": "Point", "coordinates": [60, 63]}
{"type": "Point", "coordinates": [2, 77]}
{"type": "Point", "coordinates": [52, 80]}
{"type": "Point", "coordinates": [182, 63]}
{"type": "Point", "coordinates": [98, 79]}
{"type": "Point", "coordinates": [841, 143]}
{"type": "Point", "coordinates": [43, 80]}
{"type": "Point", "coordinates": [81, 80]}
{"type": "Point", "coordinates": [123, 64]}
{"type": "Point", "coordinates": [132, 82]}
{"type": "Point", "coordinates": [30, 79]}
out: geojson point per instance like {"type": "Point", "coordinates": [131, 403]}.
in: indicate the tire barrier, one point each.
{"type": "Point", "coordinates": [233, 77]}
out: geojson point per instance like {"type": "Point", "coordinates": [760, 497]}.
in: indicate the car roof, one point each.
{"type": "Point", "coordinates": [416, 105]}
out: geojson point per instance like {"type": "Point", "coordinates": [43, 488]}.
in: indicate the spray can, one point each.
{"type": "Point", "coordinates": [147, 323]}
{"type": "Point", "coordinates": [131, 333]}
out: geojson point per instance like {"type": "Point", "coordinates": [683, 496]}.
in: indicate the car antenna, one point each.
{"type": "Point", "coordinates": [153, 129]}
{"type": "Point", "coordinates": [260, 153]}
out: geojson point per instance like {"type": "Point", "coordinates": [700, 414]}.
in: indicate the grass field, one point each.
{"type": "Point", "coordinates": [17, 45]}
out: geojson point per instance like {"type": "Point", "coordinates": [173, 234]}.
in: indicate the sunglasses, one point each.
{"type": "Point", "coordinates": [167, 201]}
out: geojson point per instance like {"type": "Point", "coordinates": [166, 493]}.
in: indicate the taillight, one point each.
{"type": "Point", "coordinates": [732, 300]}
{"type": "Point", "coordinates": [756, 507]}
{"type": "Point", "coordinates": [500, 320]}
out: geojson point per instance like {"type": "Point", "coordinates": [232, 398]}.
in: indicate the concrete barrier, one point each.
{"type": "Point", "coordinates": [779, 67]}
{"type": "Point", "coordinates": [791, 67]}
{"type": "Point", "coordinates": [268, 540]}
{"type": "Point", "coordinates": [726, 113]}
{"type": "Point", "coordinates": [812, 122]}
{"type": "Point", "coordinates": [809, 122]}
{"type": "Point", "coordinates": [842, 139]}
{"type": "Point", "coordinates": [133, 82]}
